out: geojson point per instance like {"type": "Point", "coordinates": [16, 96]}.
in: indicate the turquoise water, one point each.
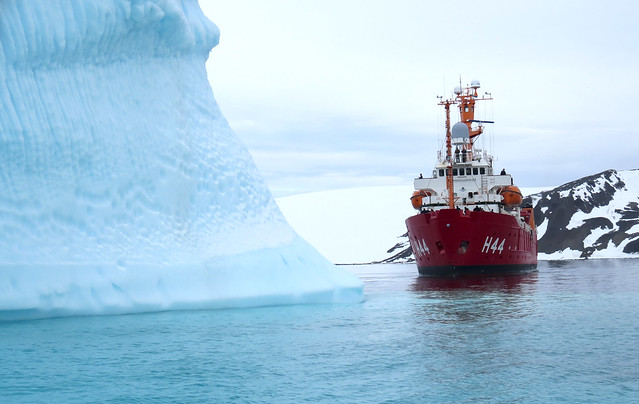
{"type": "Point", "coordinates": [567, 333]}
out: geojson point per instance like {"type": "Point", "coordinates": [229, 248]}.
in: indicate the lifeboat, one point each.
{"type": "Point", "coordinates": [512, 196]}
{"type": "Point", "coordinates": [418, 197]}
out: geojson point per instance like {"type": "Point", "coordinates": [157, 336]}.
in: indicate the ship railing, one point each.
{"type": "Point", "coordinates": [437, 200]}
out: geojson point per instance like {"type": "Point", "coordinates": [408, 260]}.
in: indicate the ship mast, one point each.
{"type": "Point", "coordinates": [449, 156]}
{"type": "Point", "coordinates": [466, 98]}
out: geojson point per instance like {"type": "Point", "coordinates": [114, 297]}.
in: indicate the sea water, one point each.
{"type": "Point", "coordinates": [566, 333]}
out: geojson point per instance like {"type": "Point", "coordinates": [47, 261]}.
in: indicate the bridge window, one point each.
{"type": "Point", "coordinates": [468, 171]}
{"type": "Point", "coordinates": [441, 172]}
{"type": "Point", "coordinates": [482, 170]}
{"type": "Point", "coordinates": [455, 171]}
{"type": "Point", "coordinates": [475, 171]}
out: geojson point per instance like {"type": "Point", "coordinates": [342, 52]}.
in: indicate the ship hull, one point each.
{"type": "Point", "coordinates": [452, 242]}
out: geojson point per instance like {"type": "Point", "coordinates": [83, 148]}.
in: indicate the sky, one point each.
{"type": "Point", "coordinates": [331, 94]}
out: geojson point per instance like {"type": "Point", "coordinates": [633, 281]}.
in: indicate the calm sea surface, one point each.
{"type": "Point", "coordinates": [567, 333]}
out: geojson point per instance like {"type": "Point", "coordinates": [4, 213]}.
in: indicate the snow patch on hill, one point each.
{"type": "Point", "coordinates": [350, 225]}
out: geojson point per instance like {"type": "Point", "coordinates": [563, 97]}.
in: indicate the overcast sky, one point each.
{"type": "Point", "coordinates": [333, 94]}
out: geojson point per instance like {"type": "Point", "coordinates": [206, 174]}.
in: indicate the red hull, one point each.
{"type": "Point", "coordinates": [451, 241]}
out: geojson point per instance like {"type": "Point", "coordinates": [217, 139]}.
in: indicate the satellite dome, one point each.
{"type": "Point", "coordinates": [460, 130]}
{"type": "Point", "coordinates": [474, 84]}
{"type": "Point", "coordinates": [457, 90]}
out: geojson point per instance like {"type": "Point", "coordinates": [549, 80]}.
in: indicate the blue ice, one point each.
{"type": "Point", "coordinates": [122, 187]}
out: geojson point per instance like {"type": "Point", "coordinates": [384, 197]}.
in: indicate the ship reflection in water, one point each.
{"type": "Point", "coordinates": [513, 282]}
{"type": "Point", "coordinates": [476, 299]}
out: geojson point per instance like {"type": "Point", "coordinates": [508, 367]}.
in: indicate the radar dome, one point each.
{"type": "Point", "coordinates": [460, 130]}
{"type": "Point", "coordinates": [474, 84]}
{"type": "Point", "coordinates": [457, 90]}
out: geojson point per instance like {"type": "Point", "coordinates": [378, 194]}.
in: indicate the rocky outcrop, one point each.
{"type": "Point", "coordinates": [595, 216]}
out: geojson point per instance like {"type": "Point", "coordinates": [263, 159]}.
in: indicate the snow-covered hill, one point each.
{"type": "Point", "coordinates": [593, 217]}
{"type": "Point", "coordinates": [596, 216]}
{"type": "Point", "coordinates": [350, 225]}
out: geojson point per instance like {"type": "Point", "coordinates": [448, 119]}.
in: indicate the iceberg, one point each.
{"type": "Point", "coordinates": [123, 188]}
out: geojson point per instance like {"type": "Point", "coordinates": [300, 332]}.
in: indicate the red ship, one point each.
{"type": "Point", "coordinates": [469, 220]}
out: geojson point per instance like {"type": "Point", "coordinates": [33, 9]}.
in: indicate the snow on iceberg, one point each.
{"type": "Point", "coordinates": [122, 187]}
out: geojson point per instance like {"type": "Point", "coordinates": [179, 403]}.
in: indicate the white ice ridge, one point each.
{"type": "Point", "coordinates": [122, 187]}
